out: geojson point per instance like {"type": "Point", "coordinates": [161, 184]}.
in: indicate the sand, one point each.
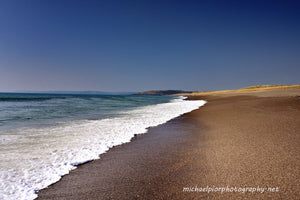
{"type": "Point", "coordinates": [242, 140]}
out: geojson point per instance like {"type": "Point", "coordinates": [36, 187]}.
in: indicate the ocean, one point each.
{"type": "Point", "coordinates": [44, 136]}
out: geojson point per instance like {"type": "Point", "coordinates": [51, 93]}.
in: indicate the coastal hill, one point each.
{"type": "Point", "coordinates": [163, 92]}
{"type": "Point", "coordinates": [256, 88]}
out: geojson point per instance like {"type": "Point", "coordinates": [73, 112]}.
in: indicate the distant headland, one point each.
{"type": "Point", "coordinates": [163, 92]}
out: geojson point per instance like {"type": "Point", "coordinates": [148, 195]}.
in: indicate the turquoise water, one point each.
{"type": "Point", "coordinates": [44, 136]}
{"type": "Point", "coordinates": [19, 109]}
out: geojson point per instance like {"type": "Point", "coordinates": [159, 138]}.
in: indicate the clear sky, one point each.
{"type": "Point", "coordinates": [139, 45]}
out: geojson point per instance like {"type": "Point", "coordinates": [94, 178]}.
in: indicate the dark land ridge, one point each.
{"type": "Point", "coordinates": [163, 92]}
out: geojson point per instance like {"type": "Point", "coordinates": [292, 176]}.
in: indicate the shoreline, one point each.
{"type": "Point", "coordinates": [233, 140]}
{"type": "Point", "coordinates": [46, 152]}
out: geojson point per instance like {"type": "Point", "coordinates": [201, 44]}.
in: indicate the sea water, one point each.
{"type": "Point", "coordinates": [44, 136]}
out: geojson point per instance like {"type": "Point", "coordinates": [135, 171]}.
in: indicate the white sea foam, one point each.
{"type": "Point", "coordinates": [31, 163]}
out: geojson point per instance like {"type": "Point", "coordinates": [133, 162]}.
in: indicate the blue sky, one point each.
{"type": "Point", "coordinates": [140, 45]}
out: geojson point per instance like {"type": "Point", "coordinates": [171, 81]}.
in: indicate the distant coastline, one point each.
{"type": "Point", "coordinates": [246, 89]}
{"type": "Point", "coordinates": [161, 92]}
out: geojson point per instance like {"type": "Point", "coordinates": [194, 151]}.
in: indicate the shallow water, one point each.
{"type": "Point", "coordinates": [44, 136]}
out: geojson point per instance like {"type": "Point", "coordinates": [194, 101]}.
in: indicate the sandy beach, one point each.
{"type": "Point", "coordinates": [240, 140]}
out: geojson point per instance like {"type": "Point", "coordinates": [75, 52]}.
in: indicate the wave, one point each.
{"type": "Point", "coordinates": [46, 154]}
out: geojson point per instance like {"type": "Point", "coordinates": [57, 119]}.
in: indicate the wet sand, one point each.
{"type": "Point", "coordinates": [236, 140]}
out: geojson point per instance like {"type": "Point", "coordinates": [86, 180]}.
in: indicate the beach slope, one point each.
{"type": "Point", "coordinates": [242, 140]}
